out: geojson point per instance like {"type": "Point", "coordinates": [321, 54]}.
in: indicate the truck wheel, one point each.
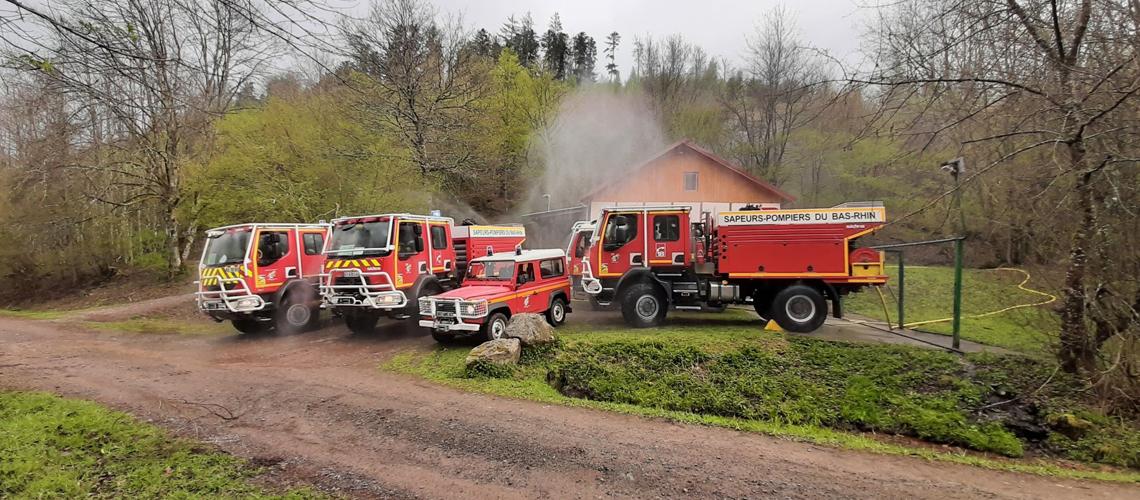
{"type": "Point", "coordinates": [643, 306]}
{"type": "Point", "coordinates": [296, 313]}
{"type": "Point", "coordinates": [250, 325]}
{"type": "Point", "coordinates": [361, 323]}
{"type": "Point", "coordinates": [799, 308]}
{"type": "Point", "coordinates": [762, 303]}
{"type": "Point", "coordinates": [556, 315]}
{"type": "Point", "coordinates": [495, 327]}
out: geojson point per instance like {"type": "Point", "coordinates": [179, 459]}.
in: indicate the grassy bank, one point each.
{"type": "Point", "coordinates": [929, 296]}
{"type": "Point", "coordinates": [62, 448]}
{"type": "Point", "coordinates": [723, 370]}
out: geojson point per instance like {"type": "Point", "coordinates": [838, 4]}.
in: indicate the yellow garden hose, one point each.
{"type": "Point", "coordinates": [1049, 298]}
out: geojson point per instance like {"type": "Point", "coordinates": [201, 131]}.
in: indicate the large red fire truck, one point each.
{"type": "Point", "coordinates": [261, 276]}
{"type": "Point", "coordinates": [788, 263]}
{"type": "Point", "coordinates": [382, 264]}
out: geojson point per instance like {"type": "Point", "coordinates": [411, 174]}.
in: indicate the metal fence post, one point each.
{"type": "Point", "coordinates": [902, 288]}
{"type": "Point", "coordinates": [958, 249]}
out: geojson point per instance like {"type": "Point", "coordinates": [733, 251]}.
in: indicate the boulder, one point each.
{"type": "Point", "coordinates": [531, 329]}
{"type": "Point", "coordinates": [504, 351]}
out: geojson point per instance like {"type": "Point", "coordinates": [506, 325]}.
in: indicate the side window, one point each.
{"type": "Point", "coordinates": [666, 227]}
{"type": "Point", "coordinates": [271, 246]}
{"type": "Point", "coordinates": [438, 237]}
{"type": "Point", "coordinates": [314, 242]}
{"type": "Point", "coordinates": [526, 273]}
{"type": "Point", "coordinates": [411, 239]}
{"type": "Point", "coordinates": [551, 268]}
{"type": "Point", "coordinates": [620, 229]}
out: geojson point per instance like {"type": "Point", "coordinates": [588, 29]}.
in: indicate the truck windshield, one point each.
{"type": "Point", "coordinates": [226, 247]}
{"type": "Point", "coordinates": [360, 239]}
{"type": "Point", "coordinates": [501, 270]}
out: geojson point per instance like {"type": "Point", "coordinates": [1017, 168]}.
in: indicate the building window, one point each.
{"type": "Point", "coordinates": [313, 243]}
{"type": "Point", "coordinates": [691, 180]}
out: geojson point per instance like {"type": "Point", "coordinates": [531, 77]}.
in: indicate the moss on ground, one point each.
{"type": "Point", "coordinates": [62, 448]}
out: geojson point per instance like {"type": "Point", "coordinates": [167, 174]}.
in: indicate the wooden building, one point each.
{"type": "Point", "coordinates": [681, 174]}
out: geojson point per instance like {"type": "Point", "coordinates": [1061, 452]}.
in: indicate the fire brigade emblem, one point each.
{"type": "Point", "coordinates": [271, 275]}
{"type": "Point", "coordinates": [408, 268]}
{"type": "Point", "coordinates": [660, 250]}
{"type": "Point", "coordinates": [614, 258]}
{"type": "Point", "coordinates": [526, 302]}
{"type": "Point", "coordinates": [438, 258]}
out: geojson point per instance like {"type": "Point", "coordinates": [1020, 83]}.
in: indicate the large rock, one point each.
{"type": "Point", "coordinates": [531, 329]}
{"type": "Point", "coordinates": [503, 351]}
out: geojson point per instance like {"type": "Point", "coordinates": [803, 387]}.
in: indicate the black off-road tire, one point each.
{"type": "Point", "coordinates": [799, 308]}
{"type": "Point", "coordinates": [361, 322]}
{"type": "Point", "coordinates": [556, 313]}
{"type": "Point", "coordinates": [298, 312]}
{"type": "Point", "coordinates": [643, 305]}
{"type": "Point", "coordinates": [250, 326]}
{"type": "Point", "coordinates": [762, 303]}
{"type": "Point", "coordinates": [495, 327]}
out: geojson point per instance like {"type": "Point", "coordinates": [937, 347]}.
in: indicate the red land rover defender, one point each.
{"type": "Point", "coordinates": [494, 288]}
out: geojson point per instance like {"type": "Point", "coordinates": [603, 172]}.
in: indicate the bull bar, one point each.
{"type": "Point", "coordinates": [428, 308]}
{"type": "Point", "coordinates": [241, 300]}
{"type": "Point", "coordinates": [381, 295]}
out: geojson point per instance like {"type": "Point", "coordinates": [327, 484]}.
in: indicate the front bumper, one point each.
{"type": "Point", "coordinates": [464, 315]}
{"type": "Point", "coordinates": [380, 295]}
{"type": "Point", "coordinates": [238, 300]}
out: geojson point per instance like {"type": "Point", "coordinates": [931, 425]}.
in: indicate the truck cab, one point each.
{"type": "Point", "coordinates": [496, 287]}
{"type": "Point", "coordinates": [262, 276]}
{"type": "Point", "coordinates": [382, 264]}
{"type": "Point", "coordinates": [787, 263]}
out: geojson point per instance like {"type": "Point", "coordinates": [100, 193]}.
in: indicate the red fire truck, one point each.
{"type": "Point", "coordinates": [495, 288]}
{"type": "Point", "coordinates": [381, 264]}
{"type": "Point", "coordinates": [261, 276]}
{"type": "Point", "coordinates": [788, 263]}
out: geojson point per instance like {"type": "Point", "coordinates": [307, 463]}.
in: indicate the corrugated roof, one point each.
{"type": "Point", "coordinates": [710, 155]}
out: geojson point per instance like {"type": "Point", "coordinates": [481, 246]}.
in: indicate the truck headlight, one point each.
{"type": "Point", "coordinates": [469, 310]}
{"type": "Point", "coordinates": [246, 303]}
{"type": "Point", "coordinates": [388, 299]}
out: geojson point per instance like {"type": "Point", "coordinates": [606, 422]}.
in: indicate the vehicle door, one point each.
{"type": "Point", "coordinates": [669, 239]}
{"type": "Point", "coordinates": [622, 246]}
{"type": "Point", "coordinates": [274, 259]}
{"type": "Point", "coordinates": [312, 260]}
{"type": "Point", "coordinates": [526, 293]}
{"type": "Point", "coordinates": [411, 252]}
{"type": "Point", "coordinates": [442, 250]}
{"type": "Point", "coordinates": [579, 245]}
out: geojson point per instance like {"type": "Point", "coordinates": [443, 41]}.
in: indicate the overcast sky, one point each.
{"type": "Point", "coordinates": [718, 26]}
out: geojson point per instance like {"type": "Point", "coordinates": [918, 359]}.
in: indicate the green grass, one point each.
{"type": "Point", "coordinates": [929, 296]}
{"type": "Point", "coordinates": [63, 448]}
{"type": "Point", "coordinates": [162, 326]}
{"type": "Point", "coordinates": [724, 370]}
{"type": "Point", "coordinates": [28, 314]}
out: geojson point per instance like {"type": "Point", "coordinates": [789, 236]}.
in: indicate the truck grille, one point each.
{"type": "Point", "coordinates": [444, 307]}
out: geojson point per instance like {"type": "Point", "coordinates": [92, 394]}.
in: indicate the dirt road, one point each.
{"type": "Point", "coordinates": [314, 409]}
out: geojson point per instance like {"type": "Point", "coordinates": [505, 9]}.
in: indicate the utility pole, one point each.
{"type": "Point", "coordinates": [956, 168]}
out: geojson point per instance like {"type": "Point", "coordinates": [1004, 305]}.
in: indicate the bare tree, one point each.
{"type": "Point", "coordinates": [1064, 76]}
{"type": "Point", "coordinates": [772, 96]}
{"type": "Point", "coordinates": [420, 80]}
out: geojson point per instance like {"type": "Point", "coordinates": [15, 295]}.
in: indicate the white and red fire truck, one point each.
{"type": "Point", "coordinates": [497, 287]}
{"type": "Point", "coordinates": [788, 263]}
{"type": "Point", "coordinates": [260, 276]}
{"type": "Point", "coordinates": [382, 264]}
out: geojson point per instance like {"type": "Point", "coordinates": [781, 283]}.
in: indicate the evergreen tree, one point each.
{"type": "Point", "coordinates": [584, 53]}
{"type": "Point", "coordinates": [556, 50]}
{"type": "Point", "coordinates": [612, 41]}
{"type": "Point", "coordinates": [485, 45]}
{"type": "Point", "coordinates": [520, 37]}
